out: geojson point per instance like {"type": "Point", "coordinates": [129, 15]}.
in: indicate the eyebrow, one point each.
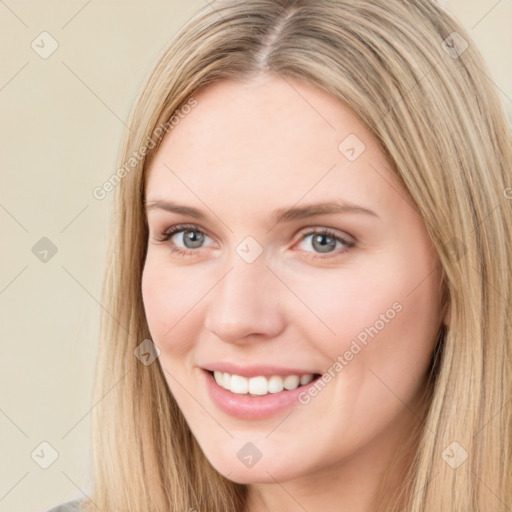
{"type": "Point", "coordinates": [278, 216]}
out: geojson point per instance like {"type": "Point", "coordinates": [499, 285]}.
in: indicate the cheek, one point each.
{"type": "Point", "coordinates": [172, 305]}
{"type": "Point", "coordinates": [385, 320]}
{"type": "Point", "coordinates": [389, 309]}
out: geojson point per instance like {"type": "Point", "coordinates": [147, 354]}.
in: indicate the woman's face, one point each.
{"type": "Point", "coordinates": [270, 277]}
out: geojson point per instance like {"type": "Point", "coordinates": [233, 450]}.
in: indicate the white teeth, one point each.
{"type": "Point", "coordinates": [291, 381]}
{"type": "Point", "coordinates": [238, 384]}
{"type": "Point", "coordinates": [306, 379]}
{"type": "Point", "coordinates": [260, 385]}
{"type": "Point", "coordinates": [275, 384]}
{"type": "Point", "coordinates": [218, 376]}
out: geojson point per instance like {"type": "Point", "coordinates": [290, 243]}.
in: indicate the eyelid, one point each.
{"type": "Point", "coordinates": [348, 242]}
{"type": "Point", "coordinates": [325, 229]}
{"type": "Point", "coordinates": [178, 228]}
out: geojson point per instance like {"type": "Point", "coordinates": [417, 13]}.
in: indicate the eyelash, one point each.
{"type": "Point", "coordinates": [167, 235]}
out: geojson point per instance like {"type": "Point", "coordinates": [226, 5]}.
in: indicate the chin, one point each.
{"type": "Point", "coordinates": [262, 471]}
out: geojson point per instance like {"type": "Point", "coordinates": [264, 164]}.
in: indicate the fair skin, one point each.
{"type": "Point", "coordinates": [247, 149]}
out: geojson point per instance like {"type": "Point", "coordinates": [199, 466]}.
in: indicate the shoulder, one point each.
{"type": "Point", "coordinates": [69, 506]}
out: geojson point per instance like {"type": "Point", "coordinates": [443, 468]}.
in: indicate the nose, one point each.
{"type": "Point", "coordinates": [245, 303]}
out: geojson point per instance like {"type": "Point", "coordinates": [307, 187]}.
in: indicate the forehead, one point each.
{"type": "Point", "coordinates": [271, 140]}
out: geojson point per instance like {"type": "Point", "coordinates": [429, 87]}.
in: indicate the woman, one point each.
{"type": "Point", "coordinates": [309, 279]}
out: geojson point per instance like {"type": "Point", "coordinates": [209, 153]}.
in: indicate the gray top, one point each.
{"type": "Point", "coordinates": [68, 506]}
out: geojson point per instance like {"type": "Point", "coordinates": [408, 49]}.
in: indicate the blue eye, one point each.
{"type": "Point", "coordinates": [191, 235]}
{"type": "Point", "coordinates": [323, 241]}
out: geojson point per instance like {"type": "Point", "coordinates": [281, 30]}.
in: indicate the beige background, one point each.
{"type": "Point", "coordinates": [62, 119]}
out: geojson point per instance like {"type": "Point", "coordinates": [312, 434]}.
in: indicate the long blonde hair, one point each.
{"type": "Point", "coordinates": [414, 76]}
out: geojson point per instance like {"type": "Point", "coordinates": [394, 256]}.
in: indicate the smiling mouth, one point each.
{"type": "Point", "coordinates": [261, 385]}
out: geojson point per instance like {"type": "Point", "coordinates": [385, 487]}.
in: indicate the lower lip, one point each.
{"type": "Point", "coordinates": [252, 407]}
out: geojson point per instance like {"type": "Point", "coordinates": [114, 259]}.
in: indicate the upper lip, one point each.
{"type": "Point", "coordinates": [254, 370]}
